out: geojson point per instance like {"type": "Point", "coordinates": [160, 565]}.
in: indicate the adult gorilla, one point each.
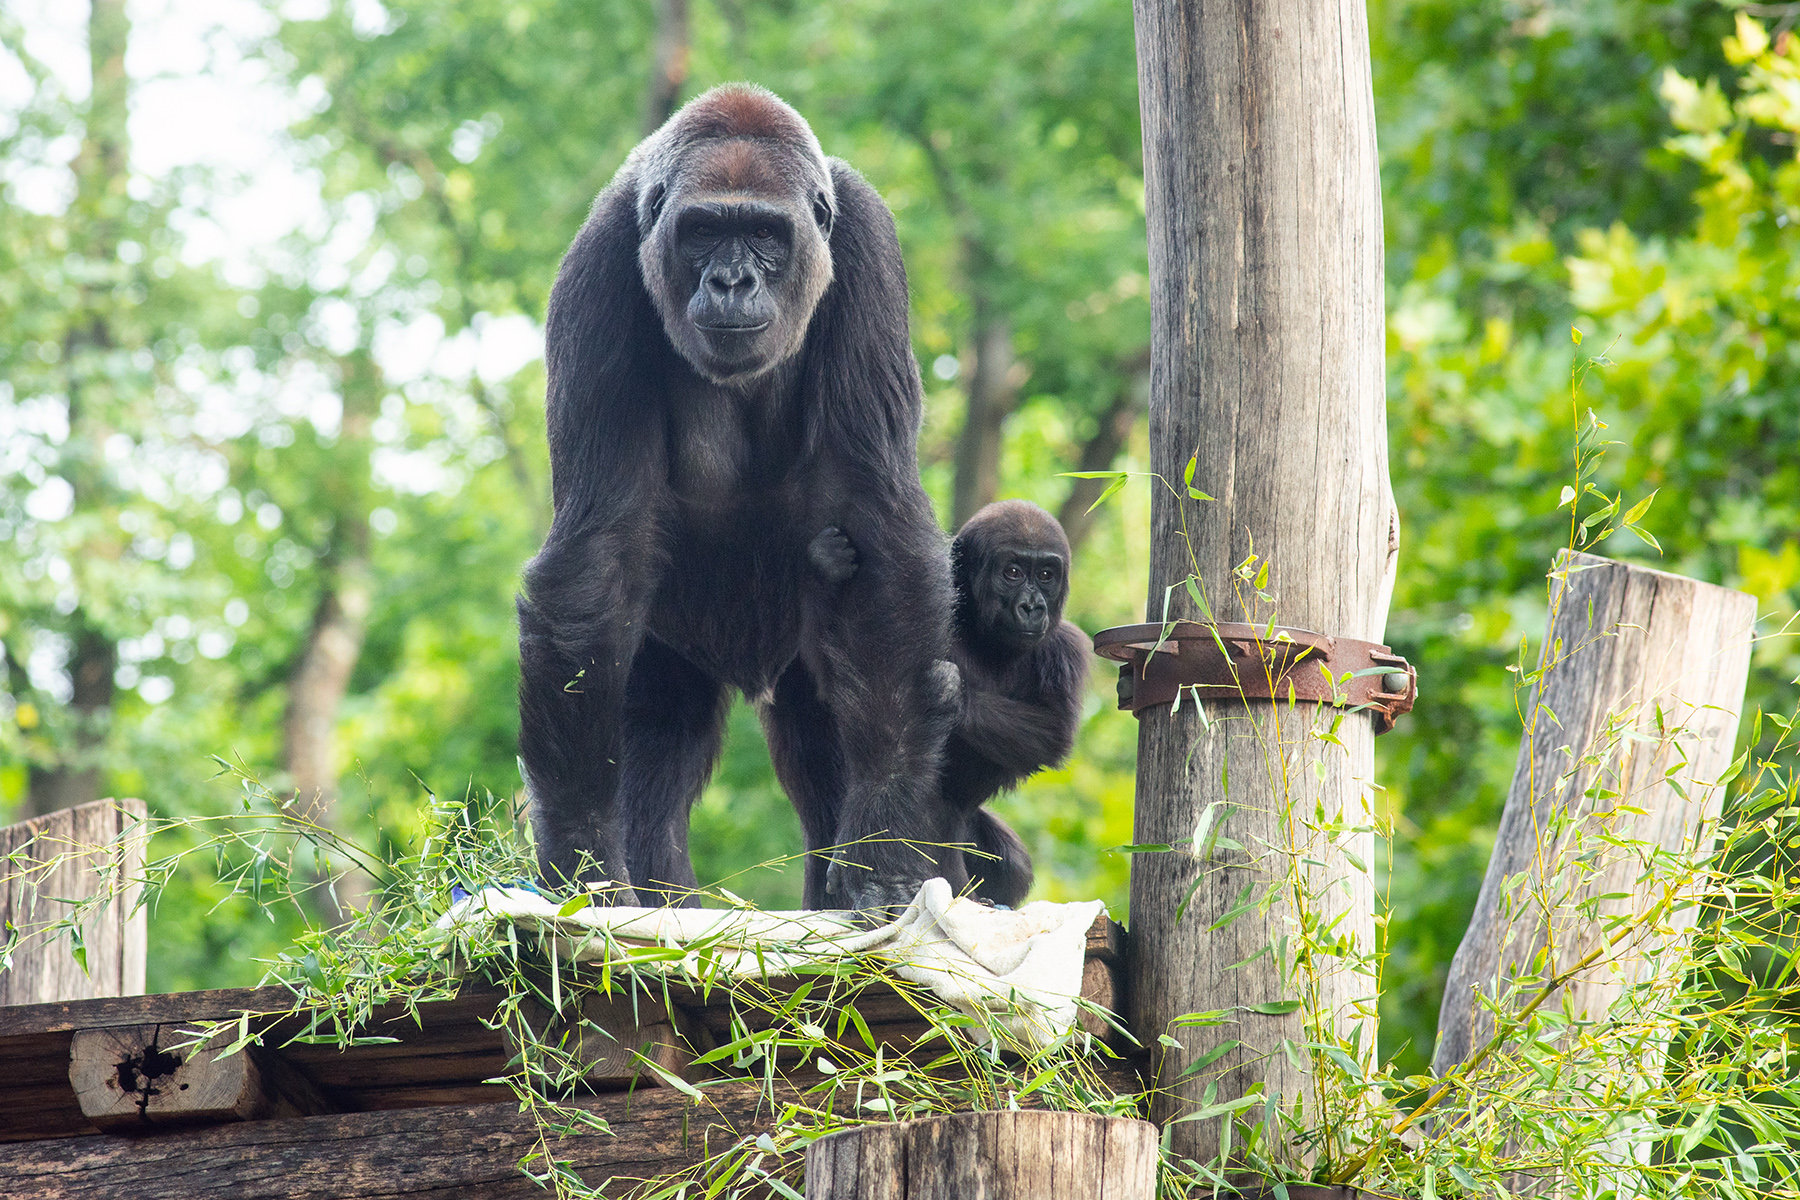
{"type": "Point", "coordinates": [729, 370]}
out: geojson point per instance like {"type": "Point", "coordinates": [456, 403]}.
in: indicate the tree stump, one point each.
{"type": "Point", "coordinates": [994, 1155]}
{"type": "Point", "coordinates": [1640, 646]}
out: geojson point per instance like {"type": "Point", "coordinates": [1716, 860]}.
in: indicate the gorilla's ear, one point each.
{"type": "Point", "coordinates": [822, 214]}
{"type": "Point", "coordinates": [653, 202]}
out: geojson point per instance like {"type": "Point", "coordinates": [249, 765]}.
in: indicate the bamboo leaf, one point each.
{"type": "Point", "coordinates": [1636, 511]}
{"type": "Point", "coordinates": [1112, 489]}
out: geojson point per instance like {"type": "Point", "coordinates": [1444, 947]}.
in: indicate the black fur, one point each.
{"type": "Point", "coordinates": [1023, 670]}
{"type": "Point", "coordinates": [686, 483]}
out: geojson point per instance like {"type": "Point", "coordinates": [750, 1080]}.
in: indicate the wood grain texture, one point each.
{"type": "Point", "coordinates": [98, 852]}
{"type": "Point", "coordinates": [130, 1079]}
{"type": "Point", "coordinates": [469, 1152]}
{"type": "Point", "coordinates": [1264, 216]}
{"type": "Point", "coordinates": [442, 1056]}
{"type": "Point", "coordinates": [1634, 641]}
{"type": "Point", "coordinates": [991, 1155]}
{"type": "Point", "coordinates": [613, 1035]}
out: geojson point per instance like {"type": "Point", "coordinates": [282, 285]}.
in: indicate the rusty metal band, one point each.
{"type": "Point", "coordinates": [1254, 662]}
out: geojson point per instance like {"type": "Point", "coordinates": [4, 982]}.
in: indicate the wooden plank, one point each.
{"type": "Point", "coordinates": [1635, 640]}
{"type": "Point", "coordinates": [613, 1035]}
{"type": "Point", "coordinates": [63, 857]}
{"type": "Point", "coordinates": [467, 1151]}
{"type": "Point", "coordinates": [128, 1079]}
{"type": "Point", "coordinates": [1263, 210]}
{"type": "Point", "coordinates": [1106, 940]}
{"type": "Point", "coordinates": [220, 1004]}
{"type": "Point", "coordinates": [996, 1155]}
{"type": "Point", "coordinates": [441, 1058]}
{"type": "Point", "coordinates": [470, 1152]}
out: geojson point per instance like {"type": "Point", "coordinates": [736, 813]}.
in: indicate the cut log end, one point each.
{"type": "Point", "coordinates": [133, 1077]}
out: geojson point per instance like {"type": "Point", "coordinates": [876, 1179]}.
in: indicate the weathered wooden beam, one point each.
{"type": "Point", "coordinates": [1263, 208]}
{"type": "Point", "coordinates": [614, 1035]}
{"type": "Point", "coordinates": [442, 1056]}
{"type": "Point", "coordinates": [48, 863]}
{"type": "Point", "coordinates": [471, 1152]}
{"type": "Point", "coordinates": [1637, 647]}
{"type": "Point", "coordinates": [131, 1078]}
{"type": "Point", "coordinates": [997, 1155]}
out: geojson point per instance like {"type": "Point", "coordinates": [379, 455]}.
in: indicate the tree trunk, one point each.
{"type": "Point", "coordinates": [1099, 453]}
{"type": "Point", "coordinates": [993, 393]}
{"type": "Point", "coordinates": [1636, 641]}
{"type": "Point", "coordinates": [670, 69]}
{"type": "Point", "coordinates": [321, 676]}
{"type": "Point", "coordinates": [320, 683]}
{"type": "Point", "coordinates": [102, 166]}
{"type": "Point", "coordinates": [1641, 648]}
{"type": "Point", "coordinates": [75, 779]}
{"type": "Point", "coordinates": [1264, 216]}
{"type": "Point", "coordinates": [102, 169]}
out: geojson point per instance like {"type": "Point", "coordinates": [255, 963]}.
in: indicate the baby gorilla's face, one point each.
{"type": "Point", "coordinates": [1019, 593]}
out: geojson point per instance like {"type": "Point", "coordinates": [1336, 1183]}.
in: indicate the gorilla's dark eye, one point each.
{"type": "Point", "coordinates": [1047, 574]}
{"type": "Point", "coordinates": [1013, 573]}
{"type": "Point", "coordinates": [762, 233]}
{"type": "Point", "coordinates": [704, 231]}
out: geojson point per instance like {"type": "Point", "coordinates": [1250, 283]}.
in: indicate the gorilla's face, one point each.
{"type": "Point", "coordinates": [737, 257]}
{"type": "Point", "coordinates": [1018, 593]}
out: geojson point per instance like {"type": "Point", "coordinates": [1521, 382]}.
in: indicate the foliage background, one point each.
{"type": "Point", "coordinates": [218, 453]}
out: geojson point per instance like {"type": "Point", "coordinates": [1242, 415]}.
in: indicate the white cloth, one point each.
{"type": "Point", "coordinates": [1023, 966]}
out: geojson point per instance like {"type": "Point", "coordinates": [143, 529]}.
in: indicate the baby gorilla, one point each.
{"type": "Point", "coordinates": [1023, 669]}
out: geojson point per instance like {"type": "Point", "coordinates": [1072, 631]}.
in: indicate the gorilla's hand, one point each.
{"type": "Point", "coordinates": [832, 555]}
{"type": "Point", "coordinates": [944, 690]}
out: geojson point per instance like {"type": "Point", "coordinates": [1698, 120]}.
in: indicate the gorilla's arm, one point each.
{"type": "Point", "coordinates": [876, 639]}
{"type": "Point", "coordinates": [1023, 736]}
{"type": "Point", "coordinates": [581, 611]}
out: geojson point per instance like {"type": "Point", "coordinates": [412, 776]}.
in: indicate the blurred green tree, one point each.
{"type": "Point", "coordinates": [105, 473]}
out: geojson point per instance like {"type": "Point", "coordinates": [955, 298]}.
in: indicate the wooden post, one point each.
{"type": "Point", "coordinates": [1264, 214]}
{"type": "Point", "coordinates": [1635, 641]}
{"type": "Point", "coordinates": [100, 851]}
{"type": "Point", "coordinates": [1029, 1155]}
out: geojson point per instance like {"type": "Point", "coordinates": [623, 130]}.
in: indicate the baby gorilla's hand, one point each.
{"type": "Point", "coordinates": [832, 555]}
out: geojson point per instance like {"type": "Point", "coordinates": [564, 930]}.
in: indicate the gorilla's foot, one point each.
{"type": "Point", "coordinates": [878, 897]}
{"type": "Point", "coordinates": [617, 895]}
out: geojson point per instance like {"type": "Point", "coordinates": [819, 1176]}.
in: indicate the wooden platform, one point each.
{"type": "Point", "coordinates": [411, 1117]}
